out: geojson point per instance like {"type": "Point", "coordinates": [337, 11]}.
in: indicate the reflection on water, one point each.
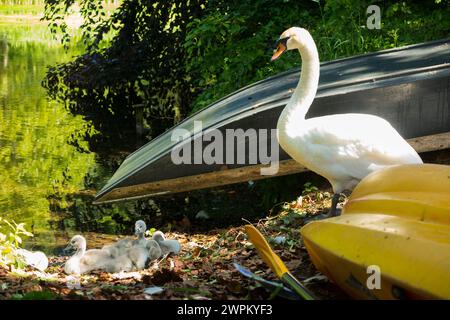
{"type": "Point", "coordinates": [37, 161]}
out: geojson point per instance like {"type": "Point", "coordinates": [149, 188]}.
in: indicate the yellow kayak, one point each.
{"type": "Point", "coordinates": [392, 240]}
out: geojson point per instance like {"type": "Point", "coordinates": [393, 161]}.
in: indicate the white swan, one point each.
{"type": "Point", "coordinates": [343, 148]}
{"type": "Point", "coordinates": [167, 246]}
{"type": "Point", "coordinates": [95, 259]}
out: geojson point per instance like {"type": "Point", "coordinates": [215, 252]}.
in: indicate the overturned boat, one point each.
{"type": "Point", "coordinates": [234, 139]}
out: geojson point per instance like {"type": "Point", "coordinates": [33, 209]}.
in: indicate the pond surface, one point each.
{"type": "Point", "coordinates": [43, 154]}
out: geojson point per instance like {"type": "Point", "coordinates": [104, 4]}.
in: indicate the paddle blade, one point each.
{"type": "Point", "coordinates": [275, 263]}
{"type": "Point", "coordinates": [265, 252]}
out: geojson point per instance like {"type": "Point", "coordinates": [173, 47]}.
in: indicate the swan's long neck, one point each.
{"type": "Point", "coordinates": [304, 93]}
{"type": "Point", "coordinates": [80, 251]}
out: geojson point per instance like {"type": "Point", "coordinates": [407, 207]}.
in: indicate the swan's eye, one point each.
{"type": "Point", "coordinates": [281, 45]}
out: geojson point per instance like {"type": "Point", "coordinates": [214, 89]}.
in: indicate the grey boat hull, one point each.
{"type": "Point", "coordinates": [408, 86]}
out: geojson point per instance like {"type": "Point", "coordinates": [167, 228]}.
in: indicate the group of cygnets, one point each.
{"type": "Point", "coordinates": [124, 255]}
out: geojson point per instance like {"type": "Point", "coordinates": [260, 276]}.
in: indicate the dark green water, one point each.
{"type": "Point", "coordinates": [38, 160]}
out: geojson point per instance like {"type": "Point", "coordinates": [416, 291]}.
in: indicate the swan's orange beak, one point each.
{"type": "Point", "coordinates": [281, 47]}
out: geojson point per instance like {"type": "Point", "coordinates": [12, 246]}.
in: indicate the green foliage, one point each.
{"type": "Point", "coordinates": [308, 187]}
{"type": "Point", "coordinates": [143, 63]}
{"type": "Point", "coordinates": [150, 232]}
{"type": "Point", "coordinates": [230, 45]}
{"type": "Point", "coordinates": [311, 190]}
{"type": "Point", "coordinates": [343, 31]}
{"type": "Point", "coordinates": [35, 295]}
{"type": "Point", "coordinates": [179, 57]}
{"type": "Point", "coordinates": [56, 11]}
{"type": "Point", "coordinates": [11, 237]}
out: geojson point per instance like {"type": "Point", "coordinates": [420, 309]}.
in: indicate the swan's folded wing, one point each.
{"type": "Point", "coordinates": [357, 143]}
{"type": "Point", "coordinates": [95, 258]}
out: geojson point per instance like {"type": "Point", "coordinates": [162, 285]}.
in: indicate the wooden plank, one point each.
{"type": "Point", "coordinates": [207, 180]}
{"type": "Point", "coordinates": [433, 142]}
{"type": "Point", "coordinates": [229, 176]}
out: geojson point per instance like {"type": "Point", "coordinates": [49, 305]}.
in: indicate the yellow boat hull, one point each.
{"type": "Point", "coordinates": [397, 222]}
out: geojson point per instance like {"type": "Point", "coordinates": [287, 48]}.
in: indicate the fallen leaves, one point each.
{"type": "Point", "coordinates": [163, 276]}
{"type": "Point", "coordinates": [202, 270]}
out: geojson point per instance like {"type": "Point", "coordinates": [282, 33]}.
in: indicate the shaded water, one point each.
{"type": "Point", "coordinates": [43, 154]}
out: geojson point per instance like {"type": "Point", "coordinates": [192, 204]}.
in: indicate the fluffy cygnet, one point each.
{"type": "Point", "coordinates": [167, 246]}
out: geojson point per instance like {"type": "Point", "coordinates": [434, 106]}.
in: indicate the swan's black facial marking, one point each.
{"type": "Point", "coordinates": [282, 41]}
{"type": "Point", "coordinates": [69, 249]}
{"type": "Point", "coordinates": [281, 46]}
